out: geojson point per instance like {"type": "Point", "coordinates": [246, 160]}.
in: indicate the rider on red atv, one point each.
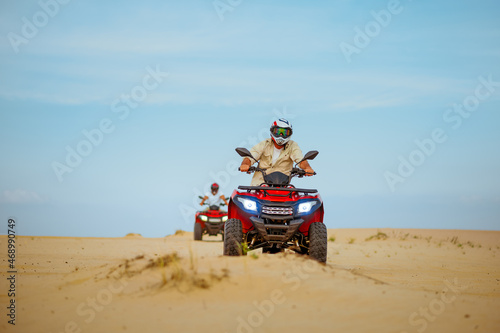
{"type": "Point", "coordinates": [211, 220]}
{"type": "Point", "coordinates": [273, 214]}
{"type": "Point", "coordinates": [276, 154]}
{"type": "Point", "coordinates": [212, 199]}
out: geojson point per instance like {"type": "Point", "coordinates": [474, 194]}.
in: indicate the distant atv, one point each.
{"type": "Point", "coordinates": [210, 222]}
{"type": "Point", "coordinates": [276, 216]}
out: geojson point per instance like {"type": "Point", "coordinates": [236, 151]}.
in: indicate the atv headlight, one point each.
{"type": "Point", "coordinates": [248, 204]}
{"type": "Point", "coordinates": [203, 218]}
{"type": "Point", "coordinates": [224, 218]}
{"type": "Point", "coordinates": [306, 207]}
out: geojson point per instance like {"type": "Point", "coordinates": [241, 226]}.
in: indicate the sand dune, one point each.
{"type": "Point", "coordinates": [375, 280]}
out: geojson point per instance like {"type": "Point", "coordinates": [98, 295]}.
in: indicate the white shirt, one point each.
{"type": "Point", "coordinates": [213, 199]}
{"type": "Point", "coordinates": [276, 154]}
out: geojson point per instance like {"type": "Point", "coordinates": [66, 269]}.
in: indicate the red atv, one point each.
{"type": "Point", "coordinates": [276, 216]}
{"type": "Point", "coordinates": [209, 222]}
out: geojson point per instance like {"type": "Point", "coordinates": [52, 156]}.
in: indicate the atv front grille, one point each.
{"type": "Point", "coordinates": [283, 211]}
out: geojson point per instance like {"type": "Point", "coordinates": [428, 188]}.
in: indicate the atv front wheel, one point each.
{"type": "Point", "coordinates": [233, 237]}
{"type": "Point", "coordinates": [318, 241]}
{"type": "Point", "coordinates": [197, 232]}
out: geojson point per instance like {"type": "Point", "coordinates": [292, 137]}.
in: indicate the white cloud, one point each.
{"type": "Point", "coordinates": [21, 196]}
{"type": "Point", "coordinates": [221, 64]}
{"type": "Point", "coordinates": [477, 199]}
{"type": "Point", "coordinates": [360, 103]}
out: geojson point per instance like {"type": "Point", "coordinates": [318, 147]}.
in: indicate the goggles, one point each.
{"type": "Point", "coordinates": [281, 132]}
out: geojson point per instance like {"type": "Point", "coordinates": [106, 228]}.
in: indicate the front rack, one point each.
{"type": "Point", "coordinates": [265, 189]}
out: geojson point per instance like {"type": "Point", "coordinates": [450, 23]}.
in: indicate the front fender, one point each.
{"type": "Point", "coordinates": [317, 216]}
{"type": "Point", "coordinates": [234, 212]}
{"type": "Point", "coordinates": [199, 221]}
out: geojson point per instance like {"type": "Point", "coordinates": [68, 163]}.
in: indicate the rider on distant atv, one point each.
{"type": "Point", "coordinates": [276, 154]}
{"type": "Point", "coordinates": [212, 199]}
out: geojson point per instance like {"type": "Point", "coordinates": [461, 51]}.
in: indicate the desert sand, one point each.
{"type": "Point", "coordinates": [375, 280]}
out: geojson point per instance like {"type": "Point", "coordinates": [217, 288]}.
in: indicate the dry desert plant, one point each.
{"type": "Point", "coordinates": [378, 236]}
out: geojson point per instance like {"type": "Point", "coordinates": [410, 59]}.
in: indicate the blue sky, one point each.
{"type": "Point", "coordinates": [230, 72]}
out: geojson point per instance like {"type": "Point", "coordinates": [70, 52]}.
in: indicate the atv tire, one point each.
{"type": "Point", "coordinates": [197, 232]}
{"type": "Point", "coordinates": [318, 241]}
{"type": "Point", "coordinates": [233, 237]}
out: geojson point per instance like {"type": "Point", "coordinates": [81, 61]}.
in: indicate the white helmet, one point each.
{"type": "Point", "coordinates": [281, 131]}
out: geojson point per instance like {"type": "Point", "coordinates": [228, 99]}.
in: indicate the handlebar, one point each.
{"type": "Point", "coordinates": [221, 204]}
{"type": "Point", "coordinates": [254, 169]}
{"type": "Point", "coordinates": [295, 172]}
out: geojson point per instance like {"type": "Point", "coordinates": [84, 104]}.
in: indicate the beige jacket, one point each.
{"type": "Point", "coordinates": [263, 152]}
